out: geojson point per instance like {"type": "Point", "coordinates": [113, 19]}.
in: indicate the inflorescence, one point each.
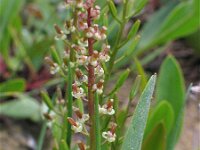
{"type": "Point", "coordinates": [84, 32]}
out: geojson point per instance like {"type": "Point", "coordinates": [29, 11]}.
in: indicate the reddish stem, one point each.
{"type": "Point", "coordinates": [90, 85]}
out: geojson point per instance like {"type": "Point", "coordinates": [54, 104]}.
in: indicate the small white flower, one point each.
{"type": "Point", "coordinates": [66, 31]}
{"type": "Point", "coordinates": [99, 90]}
{"type": "Point", "coordinates": [98, 87]}
{"type": "Point", "coordinates": [107, 109]}
{"type": "Point", "coordinates": [102, 110]}
{"type": "Point", "coordinates": [104, 57]}
{"type": "Point", "coordinates": [60, 34]}
{"type": "Point", "coordinates": [60, 37]}
{"type": "Point", "coordinates": [79, 49]}
{"type": "Point", "coordinates": [79, 5]}
{"type": "Point", "coordinates": [81, 77]}
{"type": "Point", "coordinates": [72, 28]}
{"type": "Point", "coordinates": [89, 34]}
{"type": "Point", "coordinates": [99, 71]}
{"type": "Point", "coordinates": [83, 43]}
{"type": "Point", "coordinates": [93, 62]}
{"type": "Point", "coordinates": [82, 60]}
{"type": "Point", "coordinates": [77, 128]}
{"type": "Point", "coordinates": [69, 27]}
{"type": "Point", "coordinates": [85, 117]}
{"type": "Point", "coordinates": [94, 58]}
{"type": "Point", "coordinates": [82, 25]}
{"type": "Point", "coordinates": [103, 36]}
{"type": "Point", "coordinates": [84, 79]}
{"type": "Point", "coordinates": [78, 94]}
{"type": "Point", "coordinates": [82, 118]}
{"type": "Point", "coordinates": [109, 136]}
{"type": "Point", "coordinates": [111, 111]}
{"type": "Point", "coordinates": [97, 36]}
{"type": "Point", "coordinates": [54, 69]}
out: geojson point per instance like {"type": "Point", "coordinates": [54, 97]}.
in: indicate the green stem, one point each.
{"type": "Point", "coordinates": [69, 105]}
{"type": "Point", "coordinates": [42, 135]}
{"type": "Point", "coordinates": [116, 47]}
{"type": "Point", "coordinates": [97, 123]}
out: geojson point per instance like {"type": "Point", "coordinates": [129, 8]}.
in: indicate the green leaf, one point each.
{"type": "Point", "coordinates": [38, 50]}
{"type": "Point", "coordinates": [42, 136]}
{"type": "Point", "coordinates": [24, 107]}
{"type": "Point", "coordinates": [56, 129]}
{"type": "Point", "coordinates": [150, 57]}
{"type": "Point", "coordinates": [101, 3]}
{"type": "Point", "coordinates": [63, 145]}
{"type": "Point", "coordinates": [134, 29]}
{"type": "Point", "coordinates": [135, 6]}
{"type": "Point", "coordinates": [55, 56]}
{"type": "Point", "coordinates": [141, 71]}
{"type": "Point", "coordinates": [47, 99]}
{"type": "Point", "coordinates": [150, 31]}
{"type": "Point", "coordinates": [163, 112]}
{"type": "Point", "coordinates": [156, 140]}
{"type": "Point", "coordinates": [11, 86]}
{"type": "Point", "coordinates": [120, 81]}
{"type": "Point", "coordinates": [170, 87]}
{"type": "Point", "coordinates": [167, 24]}
{"type": "Point", "coordinates": [80, 105]}
{"type": "Point", "coordinates": [9, 16]}
{"type": "Point", "coordinates": [181, 20]}
{"type": "Point", "coordinates": [113, 10]}
{"type": "Point", "coordinates": [9, 10]}
{"type": "Point", "coordinates": [134, 135]}
{"type": "Point", "coordinates": [126, 52]}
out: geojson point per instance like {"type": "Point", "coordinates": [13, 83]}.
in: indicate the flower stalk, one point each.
{"type": "Point", "coordinates": [91, 83]}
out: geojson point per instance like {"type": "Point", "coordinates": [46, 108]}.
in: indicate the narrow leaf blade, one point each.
{"type": "Point", "coordinates": [15, 85]}
{"type": "Point", "coordinates": [134, 135]}
{"type": "Point", "coordinates": [24, 107]}
{"type": "Point", "coordinates": [120, 81]}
